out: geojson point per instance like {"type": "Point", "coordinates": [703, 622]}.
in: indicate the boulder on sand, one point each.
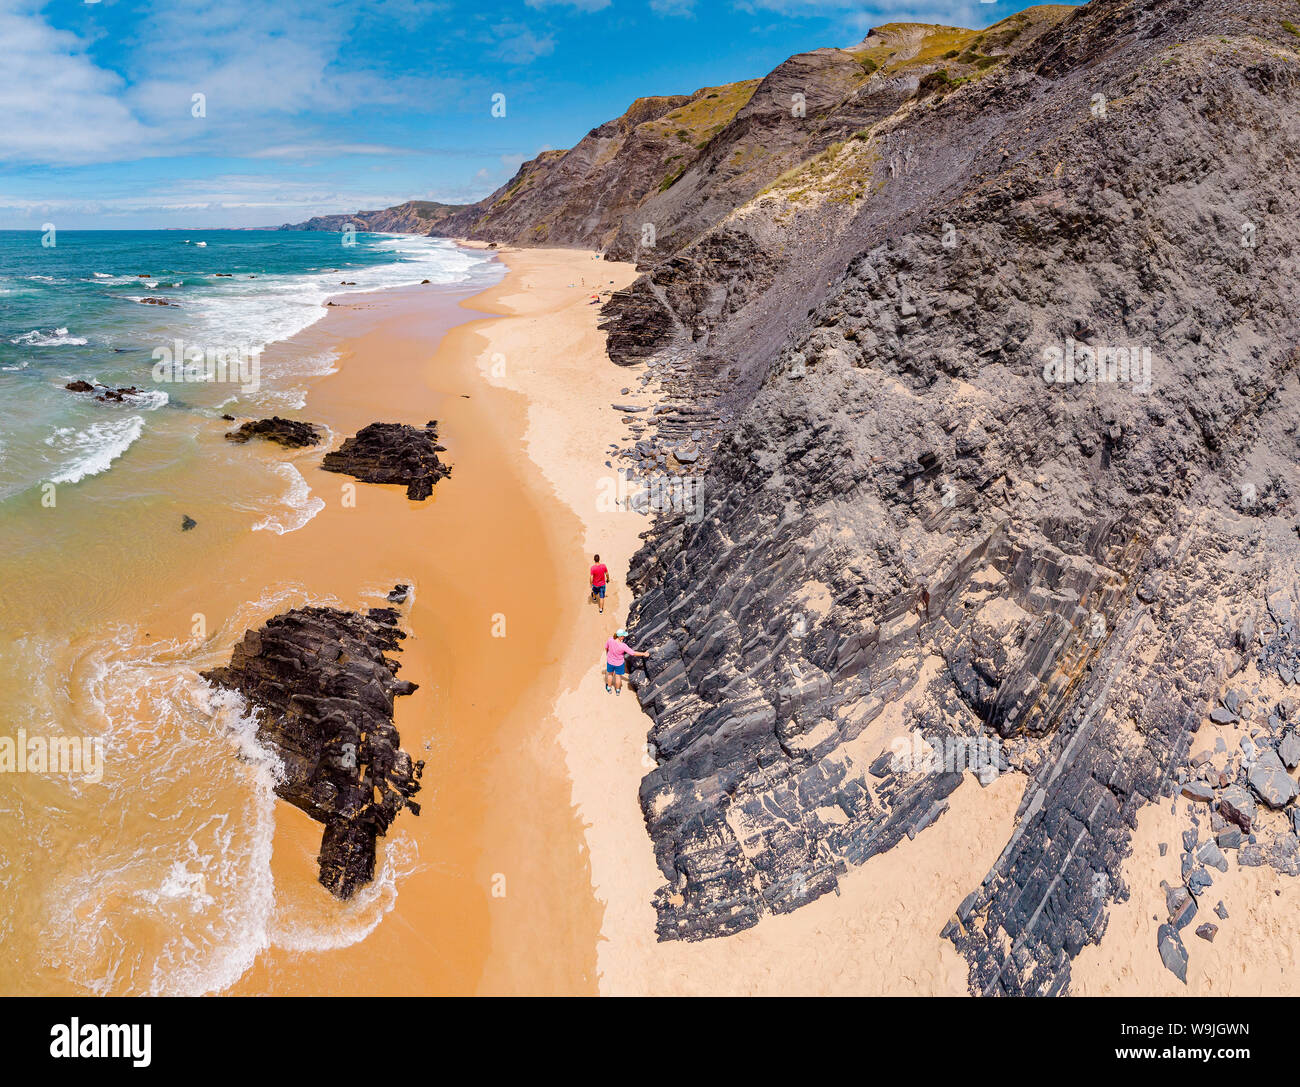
{"type": "Point", "coordinates": [393, 453]}
{"type": "Point", "coordinates": [1271, 782]}
{"type": "Point", "coordinates": [290, 433]}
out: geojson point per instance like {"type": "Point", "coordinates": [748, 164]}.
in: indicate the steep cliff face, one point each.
{"type": "Point", "coordinates": [646, 185]}
{"type": "Point", "coordinates": [580, 197]}
{"type": "Point", "coordinates": [912, 528]}
{"type": "Point", "coordinates": [983, 346]}
{"type": "Point", "coordinates": [413, 217]}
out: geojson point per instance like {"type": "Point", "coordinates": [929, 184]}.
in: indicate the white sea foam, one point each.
{"type": "Point", "coordinates": [185, 903]}
{"type": "Point", "coordinates": [56, 338]}
{"type": "Point", "coordinates": [319, 923]}
{"type": "Point", "coordinates": [257, 312]}
{"type": "Point", "coordinates": [149, 399]}
{"type": "Point", "coordinates": [88, 452]}
{"type": "Point", "coordinates": [302, 505]}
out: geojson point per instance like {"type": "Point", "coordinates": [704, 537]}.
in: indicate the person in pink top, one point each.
{"type": "Point", "coordinates": [616, 650]}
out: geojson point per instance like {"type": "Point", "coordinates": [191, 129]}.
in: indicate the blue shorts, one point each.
{"type": "Point", "coordinates": [598, 590]}
{"type": "Point", "coordinates": [617, 669]}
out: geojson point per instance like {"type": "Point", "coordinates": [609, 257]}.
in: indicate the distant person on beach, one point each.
{"type": "Point", "coordinates": [615, 651]}
{"type": "Point", "coordinates": [599, 578]}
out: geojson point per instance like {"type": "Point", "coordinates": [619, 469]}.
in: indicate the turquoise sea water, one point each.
{"type": "Point", "coordinates": [72, 310]}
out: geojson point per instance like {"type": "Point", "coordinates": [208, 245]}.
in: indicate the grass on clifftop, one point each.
{"type": "Point", "coordinates": [704, 117]}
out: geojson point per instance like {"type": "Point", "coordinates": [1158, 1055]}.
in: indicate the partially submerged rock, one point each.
{"type": "Point", "coordinates": [393, 453]}
{"type": "Point", "coordinates": [291, 433]}
{"type": "Point", "coordinates": [105, 393]}
{"type": "Point", "coordinates": [322, 690]}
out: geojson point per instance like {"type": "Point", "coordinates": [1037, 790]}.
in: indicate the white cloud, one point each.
{"type": "Point", "coordinates": [323, 150]}
{"type": "Point", "coordinates": [517, 44]}
{"type": "Point", "coordinates": [58, 106]}
{"type": "Point", "coordinates": [272, 76]}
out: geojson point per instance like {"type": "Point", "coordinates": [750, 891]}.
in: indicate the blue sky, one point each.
{"type": "Point", "coordinates": [318, 106]}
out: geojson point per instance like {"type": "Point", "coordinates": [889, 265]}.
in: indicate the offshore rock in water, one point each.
{"type": "Point", "coordinates": [322, 690]}
{"type": "Point", "coordinates": [393, 453]}
{"type": "Point", "coordinates": [105, 393]}
{"type": "Point", "coordinates": [287, 432]}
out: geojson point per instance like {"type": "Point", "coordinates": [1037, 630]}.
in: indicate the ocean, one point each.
{"type": "Point", "coordinates": [73, 311]}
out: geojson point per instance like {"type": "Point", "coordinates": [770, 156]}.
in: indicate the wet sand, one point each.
{"type": "Point", "coordinates": [157, 881]}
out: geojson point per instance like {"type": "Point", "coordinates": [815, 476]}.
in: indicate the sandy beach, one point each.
{"type": "Point", "coordinates": [529, 869]}
{"type": "Point", "coordinates": [881, 935]}
{"type": "Point", "coordinates": [535, 768]}
{"type": "Point", "coordinates": [500, 899]}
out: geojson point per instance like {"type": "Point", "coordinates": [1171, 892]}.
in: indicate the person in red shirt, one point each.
{"type": "Point", "coordinates": [599, 578]}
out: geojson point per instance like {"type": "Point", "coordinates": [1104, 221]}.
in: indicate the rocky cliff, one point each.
{"type": "Point", "coordinates": [982, 347]}
{"type": "Point", "coordinates": [1001, 426]}
{"type": "Point", "coordinates": [645, 185]}
{"type": "Point", "coordinates": [413, 217]}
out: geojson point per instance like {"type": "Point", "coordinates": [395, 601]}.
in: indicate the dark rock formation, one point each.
{"type": "Point", "coordinates": [118, 395]}
{"type": "Point", "coordinates": [323, 691]}
{"type": "Point", "coordinates": [393, 453]}
{"type": "Point", "coordinates": [187, 523]}
{"type": "Point", "coordinates": [292, 433]}
{"type": "Point", "coordinates": [908, 527]}
{"type": "Point", "coordinates": [1172, 951]}
{"type": "Point", "coordinates": [105, 394]}
{"type": "Point", "coordinates": [158, 302]}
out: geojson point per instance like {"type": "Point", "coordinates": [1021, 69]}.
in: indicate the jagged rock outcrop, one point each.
{"type": "Point", "coordinates": [983, 347]}
{"type": "Point", "coordinates": [913, 528]}
{"type": "Point", "coordinates": [291, 433]}
{"type": "Point", "coordinates": [322, 689]}
{"type": "Point", "coordinates": [393, 453]}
